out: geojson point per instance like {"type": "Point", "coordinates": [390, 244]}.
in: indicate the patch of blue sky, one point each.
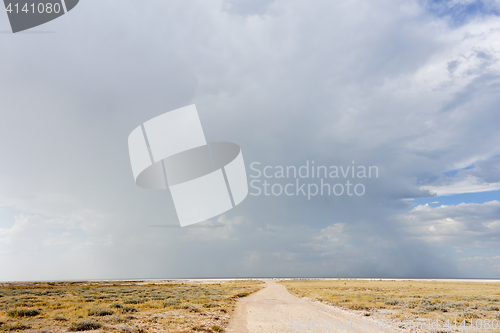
{"type": "Point", "coordinates": [452, 173]}
{"type": "Point", "coordinates": [7, 217]}
{"type": "Point", "coordinates": [460, 12]}
{"type": "Point", "coordinates": [478, 197]}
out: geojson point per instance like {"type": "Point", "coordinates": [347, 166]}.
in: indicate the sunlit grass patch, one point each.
{"type": "Point", "coordinates": [122, 306]}
{"type": "Point", "coordinates": [465, 302]}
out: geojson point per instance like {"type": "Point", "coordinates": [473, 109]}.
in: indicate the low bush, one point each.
{"type": "Point", "coordinates": [171, 302]}
{"type": "Point", "coordinates": [100, 312]}
{"type": "Point", "coordinates": [420, 312]}
{"type": "Point", "coordinates": [456, 305]}
{"type": "Point", "coordinates": [60, 318]}
{"type": "Point", "coordinates": [159, 297]}
{"type": "Point", "coordinates": [84, 325]}
{"type": "Point", "coordinates": [15, 327]}
{"type": "Point", "coordinates": [357, 306]}
{"type": "Point", "coordinates": [211, 305]}
{"type": "Point", "coordinates": [469, 315]}
{"type": "Point", "coordinates": [190, 307]}
{"type": "Point", "coordinates": [392, 302]}
{"type": "Point", "coordinates": [133, 301]}
{"type": "Point", "coordinates": [437, 307]}
{"type": "Point", "coordinates": [131, 330]}
{"type": "Point", "coordinates": [20, 313]}
{"type": "Point", "coordinates": [128, 309]}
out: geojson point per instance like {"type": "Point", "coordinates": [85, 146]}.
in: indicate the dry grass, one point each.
{"type": "Point", "coordinates": [120, 306]}
{"type": "Point", "coordinates": [465, 302]}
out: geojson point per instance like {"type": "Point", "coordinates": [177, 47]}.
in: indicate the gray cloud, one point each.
{"type": "Point", "coordinates": [470, 230]}
{"type": "Point", "coordinates": [246, 7]}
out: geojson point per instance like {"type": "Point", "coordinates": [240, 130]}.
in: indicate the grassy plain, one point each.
{"type": "Point", "coordinates": [410, 300]}
{"type": "Point", "coordinates": [127, 306]}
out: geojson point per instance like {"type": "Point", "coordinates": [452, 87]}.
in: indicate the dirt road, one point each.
{"type": "Point", "coordinates": [274, 309]}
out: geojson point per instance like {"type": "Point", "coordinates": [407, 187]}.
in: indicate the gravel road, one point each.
{"type": "Point", "coordinates": [274, 309]}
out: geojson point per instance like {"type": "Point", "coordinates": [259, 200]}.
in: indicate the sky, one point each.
{"type": "Point", "coordinates": [410, 87]}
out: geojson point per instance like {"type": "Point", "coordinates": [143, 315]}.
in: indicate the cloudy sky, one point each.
{"type": "Point", "coordinates": [411, 87]}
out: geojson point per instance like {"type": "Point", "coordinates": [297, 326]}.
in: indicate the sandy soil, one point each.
{"type": "Point", "coordinates": [274, 309]}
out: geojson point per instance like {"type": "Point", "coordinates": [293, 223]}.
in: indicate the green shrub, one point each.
{"type": "Point", "coordinates": [211, 305]}
{"type": "Point", "coordinates": [356, 306]}
{"type": "Point", "coordinates": [469, 315]}
{"type": "Point", "coordinates": [190, 307]}
{"type": "Point", "coordinates": [60, 318]}
{"type": "Point", "coordinates": [131, 330]}
{"type": "Point", "coordinates": [128, 309]}
{"type": "Point", "coordinates": [437, 307]}
{"type": "Point", "coordinates": [420, 312]}
{"type": "Point", "coordinates": [15, 327]}
{"type": "Point", "coordinates": [133, 301]}
{"type": "Point", "coordinates": [456, 305]}
{"type": "Point", "coordinates": [170, 302]}
{"type": "Point", "coordinates": [84, 325]}
{"type": "Point", "coordinates": [159, 297]}
{"type": "Point", "coordinates": [392, 302]}
{"type": "Point", "coordinates": [100, 312]}
{"type": "Point", "coordinates": [20, 313]}
{"type": "Point", "coordinates": [103, 297]}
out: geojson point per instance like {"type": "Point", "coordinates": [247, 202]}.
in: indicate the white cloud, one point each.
{"type": "Point", "coordinates": [466, 224]}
